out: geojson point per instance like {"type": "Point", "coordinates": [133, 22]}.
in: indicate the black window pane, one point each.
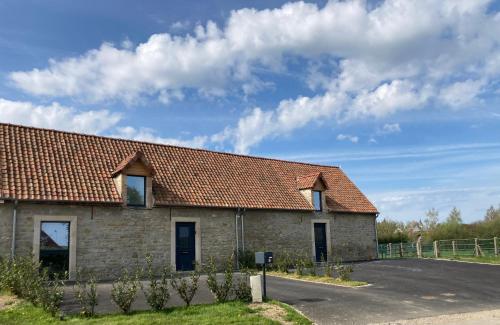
{"type": "Point", "coordinates": [54, 246]}
{"type": "Point", "coordinates": [317, 200]}
{"type": "Point", "coordinates": [136, 190]}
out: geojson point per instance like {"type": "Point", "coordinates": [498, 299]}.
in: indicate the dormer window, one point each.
{"type": "Point", "coordinates": [317, 201]}
{"type": "Point", "coordinates": [136, 190]}
{"type": "Point", "coordinates": [312, 187]}
{"type": "Point", "coordinates": [133, 179]}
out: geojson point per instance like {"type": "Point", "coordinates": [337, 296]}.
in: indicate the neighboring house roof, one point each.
{"type": "Point", "coordinates": [309, 181]}
{"type": "Point", "coordinates": [47, 165]}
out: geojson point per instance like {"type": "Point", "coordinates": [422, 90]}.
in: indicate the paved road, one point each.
{"type": "Point", "coordinates": [401, 289]}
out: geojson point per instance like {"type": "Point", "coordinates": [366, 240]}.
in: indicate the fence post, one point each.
{"type": "Point", "coordinates": [390, 250]}
{"type": "Point", "coordinates": [495, 245]}
{"type": "Point", "coordinates": [401, 249]}
{"type": "Point", "coordinates": [454, 246]}
{"type": "Point", "coordinates": [436, 249]}
{"type": "Point", "coordinates": [476, 247]}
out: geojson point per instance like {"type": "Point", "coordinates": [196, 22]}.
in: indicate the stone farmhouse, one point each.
{"type": "Point", "coordinates": [97, 203]}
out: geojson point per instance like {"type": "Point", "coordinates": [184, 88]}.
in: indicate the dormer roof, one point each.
{"type": "Point", "coordinates": [311, 181]}
{"type": "Point", "coordinates": [137, 156]}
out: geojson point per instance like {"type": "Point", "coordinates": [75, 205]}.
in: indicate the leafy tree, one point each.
{"type": "Point", "coordinates": [431, 219]}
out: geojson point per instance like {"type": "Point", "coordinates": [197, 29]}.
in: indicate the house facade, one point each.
{"type": "Point", "coordinates": [77, 201]}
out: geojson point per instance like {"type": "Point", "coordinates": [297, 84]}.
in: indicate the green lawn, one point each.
{"type": "Point", "coordinates": [480, 259]}
{"type": "Point", "coordinates": [227, 313]}
{"type": "Point", "coordinates": [317, 278]}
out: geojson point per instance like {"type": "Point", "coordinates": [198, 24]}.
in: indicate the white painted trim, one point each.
{"type": "Point", "coordinates": [37, 220]}
{"type": "Point", "coordinates": [328, 238]}
{"type": "Point", "coordinates": [197, 240]}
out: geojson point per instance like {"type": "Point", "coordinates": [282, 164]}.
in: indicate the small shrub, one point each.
{"type": "Point", "coordinates": [241, 289]}
{"type": "Point", "coordinates": [157, 295]}
{"type": "Point", "coordinates": [86, 294]}
{"type": "Point", "coordinates": [283, 262]}
{"type": "Point", "coordinates": [124, 291]}
{"type": "Point", "coordinates": [52, 293]}
{"type": "Point", "coordinates": [246, 259]}
{"type": "Point", "coordinates": [300, 264]}
{"type": "Point", "coordinates": [344, 271]}
{"type": "Point", "coordinates": [220, 291]}
{"type": "Point", "coordinates": [329, 270]}
{"type": "Point", "coordinates": [187, 288]}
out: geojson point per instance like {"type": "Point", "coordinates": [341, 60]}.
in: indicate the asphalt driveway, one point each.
{"type": "Point", "coordinates": [400, 289]}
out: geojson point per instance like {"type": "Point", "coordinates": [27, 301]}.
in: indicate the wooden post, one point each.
{"type": "Point", "coordinates": [401, 249]}
{"type": "Point", "coordinates": [454, 245]}
{"type": "Point", "coordinates": [436, 249]}
{"type": "Point", "coordinates": [476, 247]}
{"type": "Point", "coordinates": [390, 249]}
{"type": "Point", "coordinates": [495, 245]}
{"type": "Point", "coordinates": [419, 247]}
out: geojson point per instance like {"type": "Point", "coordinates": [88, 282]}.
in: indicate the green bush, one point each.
{"type": "Point", "coordinates": [246, 259]}
{"type": "Point", "coordinates": [86, 293]}
{"type": "Point", "coordinates": [187, 288]}
{"type": "Point", "coordinates": [124, 291]}
{"type": "Point", "coordinates": [220, 291]}
{"type": "Point", "coordinates": [52, 293]}
{"type": "Point", "coordinates": [300, 264]}
{"type": "Point", "coordinates": [283, 262]}
{"type": "Point", "coordinates": [344, 271]}
{"type": "Point", "coordinates": [241, 289]}
{"type": "Point", "coordinates": [157, 295]}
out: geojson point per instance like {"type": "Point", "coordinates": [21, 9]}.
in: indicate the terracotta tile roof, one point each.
{"type": "Point", "coordinates": [308, 181]}
{"type": "Point", "coordinates": [128, 161]}
{"type": "Point", "coordinates": [47, 165]}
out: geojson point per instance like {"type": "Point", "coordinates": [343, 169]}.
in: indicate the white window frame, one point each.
{"type": "Point", "coordinates": [197, 239]}
{"type": "Point", "coordinates": [37, 221]}
{"type": "Point", "coordinates": [328, 238]}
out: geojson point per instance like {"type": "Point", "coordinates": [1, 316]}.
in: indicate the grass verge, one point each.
{"type": "Point", "coordinates": [226, 313]}
{"type": "Point", "coordinates": [477, 259]}
{"type": "Point", "coordinates": [292, 315]}
{"type": "Point", "coordinates": [319, 279]}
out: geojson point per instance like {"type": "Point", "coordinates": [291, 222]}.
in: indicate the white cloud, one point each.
{"type": "Point", "coordinates": [352, 138]}
{"type": "Point", "coordinates": [389, 128]}
{"type": "Point", "coordinates": [460, 94]}
{"type": "Point", "coordinates": [102, 122]}
{"type": "Point", "coordinates": [56, 116]}
{"type": "Point", "coordinates": [149, 135]}
{"type": "Point", "coordinates": [397, 55]}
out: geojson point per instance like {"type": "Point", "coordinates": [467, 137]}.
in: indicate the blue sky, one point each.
{"type": "Point", "coordinates": [403, 95]}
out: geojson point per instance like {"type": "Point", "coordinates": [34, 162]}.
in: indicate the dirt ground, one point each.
{"type": "Point", "coordinates": [6, 301]}
{"type": "Point", "coordinates": [271, 311]}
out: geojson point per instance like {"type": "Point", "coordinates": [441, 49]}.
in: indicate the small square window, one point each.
{"type": "Point", "coordinates": [136, 190]}
{"type": "Point", "coordinates": [317, 200]}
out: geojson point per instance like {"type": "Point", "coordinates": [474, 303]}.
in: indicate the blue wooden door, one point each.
{"type": "Point", "coordinates": [185, 253]}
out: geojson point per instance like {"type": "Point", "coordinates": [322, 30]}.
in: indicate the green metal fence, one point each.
{"type": "Point", "coordinates": [442, 248]}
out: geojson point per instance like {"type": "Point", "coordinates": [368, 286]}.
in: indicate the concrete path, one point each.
{"type": "Point", "coordinates": [401, 289]}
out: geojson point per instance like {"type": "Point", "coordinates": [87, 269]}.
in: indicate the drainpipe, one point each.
{"type": "Point", "coordinates": [376, 234]}
{"type": "Point", "coordinates": [243, 229]}
{"type": "Point", "coordinates": [236, 236]}
{"type": "Point", "coordinates": [14, 221]}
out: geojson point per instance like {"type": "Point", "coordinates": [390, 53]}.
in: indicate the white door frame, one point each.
{"type": "Point", "coordinates": [328, 238]}
{"type": "Point", "coordinates": [37, 223]}
{"type": "Point", "coordinates": [197, 239]}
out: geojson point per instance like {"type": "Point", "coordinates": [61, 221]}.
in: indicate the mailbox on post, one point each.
{"type": "Point", "coordinates": [263, 258]}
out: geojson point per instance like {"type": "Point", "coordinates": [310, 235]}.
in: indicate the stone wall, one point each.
{"type": "Point", "coordinates": [5, 229]}
{"type": "Point", "coordinates": [111, 237]}
{"type": "Point", "coordinates": [352, 236]}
